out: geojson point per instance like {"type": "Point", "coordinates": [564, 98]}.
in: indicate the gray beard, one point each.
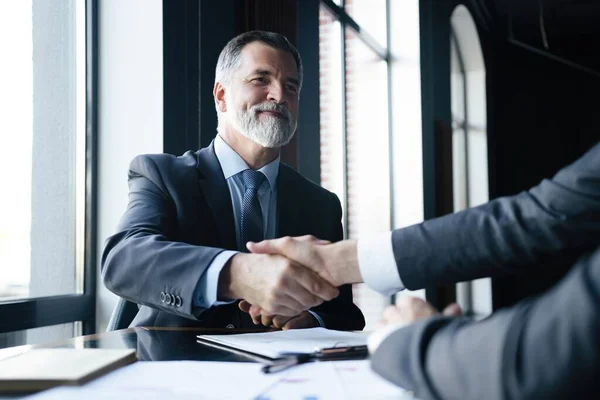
{"type": "Point", "coordinates": [270, 132]}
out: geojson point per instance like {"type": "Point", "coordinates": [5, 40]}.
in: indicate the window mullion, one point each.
{"type": "Point", "coordinates": [344, 130]}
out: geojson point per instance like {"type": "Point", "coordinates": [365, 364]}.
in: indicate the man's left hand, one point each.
{"type": "Point", "coordinates": [406, 311]}
{"type": "Point", "coordinates": [411, 309]}
{"type": "Point", "coordinates": [300, 321]}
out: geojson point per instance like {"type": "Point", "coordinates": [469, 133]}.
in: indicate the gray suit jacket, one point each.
{"type": "Point", "coordinates": [180, 217]}
{"type": "Point", "coordinates": [544, 347]}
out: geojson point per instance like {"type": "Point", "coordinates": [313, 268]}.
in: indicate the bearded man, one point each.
{"type": "Point", "coordinates": [180, 248]}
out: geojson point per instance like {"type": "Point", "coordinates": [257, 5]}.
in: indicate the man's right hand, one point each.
{"type": "Point", "coordinates": [277, 285]}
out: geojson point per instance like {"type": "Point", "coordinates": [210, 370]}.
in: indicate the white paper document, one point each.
{"type": "Point", "coordinates": [225, 380]}
{"type": "Point", "coordinates": [333, 380]}
{"type": "Point", "coordinates": [172, 379]}
{"type": "Point", "coordinates": [275, 344]}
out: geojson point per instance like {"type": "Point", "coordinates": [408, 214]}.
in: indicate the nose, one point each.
{"type": "Point", "coordinates": [276, 93]}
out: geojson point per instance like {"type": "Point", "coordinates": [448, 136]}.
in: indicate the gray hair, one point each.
{"type": "Point", "coordinates": [230, 57]}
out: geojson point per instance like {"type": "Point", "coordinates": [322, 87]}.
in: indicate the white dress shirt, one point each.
{"type": "Point", "coordinates": [377, 264]}
{"type": "Point", "coordinates": [378, 268]}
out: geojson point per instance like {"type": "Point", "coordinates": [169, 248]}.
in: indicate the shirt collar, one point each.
{"type": "Point", "coordinates": [232, 164]}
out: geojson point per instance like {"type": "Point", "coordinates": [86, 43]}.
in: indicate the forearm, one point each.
{"type": "Point", "coordinates": [559, 215]}
{"type": "Point", "coordinates": [496, 239]}
{"type": "Point", "coordinates": [231, 279]}
{"type": "Point", "coordinates": [341, 260]}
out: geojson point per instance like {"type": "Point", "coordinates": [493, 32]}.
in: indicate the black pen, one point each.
{"type": "Point", "coordinates": [348, 353]}
{"type": "Point", "coordinates": [287, 362]}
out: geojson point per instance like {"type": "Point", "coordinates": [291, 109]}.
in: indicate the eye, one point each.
{"type": "Point", "coordinates": [292, 88]}
{"type": "Point", "coordinates": [260, 79]}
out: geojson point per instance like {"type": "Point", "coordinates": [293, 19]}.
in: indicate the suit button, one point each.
{"type": "Point", "coordinates": [168, 298]}
{"type": "Point", "coordinates": [230, 326]}
{"type": "Point", "coordinates": [178, 301]}
{"type": "Point", "coordinates": [162, 297]}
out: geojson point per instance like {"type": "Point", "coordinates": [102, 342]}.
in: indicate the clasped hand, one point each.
{"type": "Point", "coordinates": [325, 266]}
{"type": "Point", "coordinates": [280, 281]}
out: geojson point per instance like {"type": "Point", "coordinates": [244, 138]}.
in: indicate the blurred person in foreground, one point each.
{"type": "Point", "coordinates": [547, 346]}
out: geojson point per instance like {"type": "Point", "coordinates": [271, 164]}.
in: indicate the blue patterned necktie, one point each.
{"type": "Point", "coordinates": [251, 228]}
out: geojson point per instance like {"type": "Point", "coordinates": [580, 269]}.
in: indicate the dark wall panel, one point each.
{"type": "Point", "coordinates": [307, 136]}
{"type": "Point", "coordinates": [217, 27]}
{"type": "Point", "coordinates": [180, 76]}
{"type": "Point", "coordinates": [194, 32]}
{"type": "Point", "coordinates": [542, 117]}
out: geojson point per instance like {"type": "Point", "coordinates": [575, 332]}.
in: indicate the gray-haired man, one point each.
{"type": "Point", "coordinates": [179, 250]}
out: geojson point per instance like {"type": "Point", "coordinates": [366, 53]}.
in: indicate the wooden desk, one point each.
{"type": "Point", "coordinates": [151, 344]}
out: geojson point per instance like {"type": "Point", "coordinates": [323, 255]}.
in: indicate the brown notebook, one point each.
{"type": "Point", "coordinates": [40, 369]}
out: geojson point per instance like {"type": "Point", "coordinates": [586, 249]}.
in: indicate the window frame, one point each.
{"type": "Point", "coordinates": [384, 53]}
{"type": "Point", "coordinates": [36, 312]}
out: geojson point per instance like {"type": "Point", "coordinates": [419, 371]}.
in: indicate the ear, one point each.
{"type": "Point", "coordinates": [219, 95]}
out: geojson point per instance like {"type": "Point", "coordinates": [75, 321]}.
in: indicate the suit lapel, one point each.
{"type": "Point", "coordinates": [215, 191]}
{"type": "Point", "coordinates": [288, 204]}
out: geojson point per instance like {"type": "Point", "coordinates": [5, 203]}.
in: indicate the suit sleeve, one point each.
{"type": "Point", "coordinates": [559, 216]}
{"type": "Point", "coordinates": [544, 348]}
{"type": "Point", "coordinates": [144, 259]}
{"type": "Point", "coordinates": [340, 313]}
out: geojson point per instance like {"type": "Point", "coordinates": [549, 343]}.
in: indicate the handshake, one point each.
{"type": "Point", "coordinates": [282, 278]}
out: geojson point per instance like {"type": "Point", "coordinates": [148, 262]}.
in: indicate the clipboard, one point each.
{"type": "Point", "coordinates": [288, 360]}
{"type": "Point", "coordinates": [221, 346]}
{"type": "Point", "coordinates": [279, 350]}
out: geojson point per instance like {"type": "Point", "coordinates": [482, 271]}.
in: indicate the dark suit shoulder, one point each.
{"type": "Point", "coordinates": [309, 189]}
{"type": "Point", "coordinates": [163, 168]}
{"type": "Point", "coordinates": [163, 162]}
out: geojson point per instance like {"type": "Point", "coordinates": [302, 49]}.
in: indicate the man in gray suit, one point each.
{"type": "Point", "coordinates": [176, 252]}
{"type": "Point", "coordinates": [544, 347]}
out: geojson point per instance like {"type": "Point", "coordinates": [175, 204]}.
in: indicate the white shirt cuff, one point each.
{"type": "Point", "coordinates": [377, 264]}
{"type": "Point", "coordinates": [377, 337]}
{"type": "Point", "coordinates": [206, 291]}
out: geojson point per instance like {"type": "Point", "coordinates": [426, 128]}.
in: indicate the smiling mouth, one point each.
{"type": "Point", "coordinates": [274, 114]}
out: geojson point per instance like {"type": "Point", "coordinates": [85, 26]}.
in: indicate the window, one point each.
{"type": "Point", "coordinates": [46, 164]}
{"type": "Point", "coordinates": [370, 129]}
{"type": "Point", "coordinates": [469, 139]}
